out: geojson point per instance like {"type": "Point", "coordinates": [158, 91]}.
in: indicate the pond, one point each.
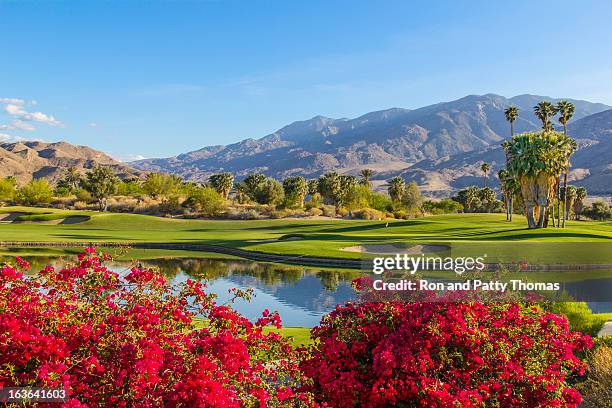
{"type": "Point", "coordinates": [301, 295]}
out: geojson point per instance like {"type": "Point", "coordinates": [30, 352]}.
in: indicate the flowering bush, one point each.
{"type": "Point", "coordinates": [120, 341]}
{"type": "Point", "coordinates": [388, 354]}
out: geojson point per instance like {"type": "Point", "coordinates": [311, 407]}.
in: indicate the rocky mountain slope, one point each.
{"type": "Point", "coordinates": [27, 160]}
{"type": "Point", "coordinates": [440, 146]}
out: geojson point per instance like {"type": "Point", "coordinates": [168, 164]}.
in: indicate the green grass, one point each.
{"type": "Point", "coordinates": [467, 234]}
{"type": "Point", "coordinates": [580, 316]}
{"type": "Point", "coordinates": [299, 336]}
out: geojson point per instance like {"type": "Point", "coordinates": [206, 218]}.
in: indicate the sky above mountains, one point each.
{"type": "Point", "coordinates": [159, 78]}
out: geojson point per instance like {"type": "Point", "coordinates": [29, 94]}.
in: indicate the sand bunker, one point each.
{"type": "Point", "coordinates": [392, 249]}
{"type": "Point", "coordinates": [10, 217]}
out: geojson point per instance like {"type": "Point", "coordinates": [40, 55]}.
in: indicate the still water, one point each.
{"type": "Point", "coordinates": [301, 295]}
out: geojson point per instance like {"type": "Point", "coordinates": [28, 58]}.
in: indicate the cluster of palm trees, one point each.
{"type": "Point", "coordinates": [535, 162]}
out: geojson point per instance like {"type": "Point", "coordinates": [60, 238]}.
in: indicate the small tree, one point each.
{"type": "Point", "coordinates": [158, 185]}
{"type": "Point", "coordinates": [295, 189]}
{"type": "Point", "coordinates": [412, 201]}
{"type": "Point", "coordinates": [101, 182]}
{"type": "Point", "coordinates": [270, 191]}
{"type": "Point", "coordinates": [8, 189]}
{"type": "Point", "coordinates": [207, 200]}
{"type": "Point", "coordinates": [222, 183]}
{"type": "Point", "coordinates": [36, 192]}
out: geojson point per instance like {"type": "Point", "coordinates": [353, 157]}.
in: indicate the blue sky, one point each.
{"type": "Point", "coordinates": [156, 79]}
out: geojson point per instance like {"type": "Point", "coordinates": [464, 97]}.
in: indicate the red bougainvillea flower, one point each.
{"type": "Point", "coordinates": [442, 355]}
{"type": "Point", "coordinates": [114, 341]}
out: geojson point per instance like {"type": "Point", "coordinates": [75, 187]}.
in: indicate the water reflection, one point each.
{"type": "Point", "coordinates": [301, 295]}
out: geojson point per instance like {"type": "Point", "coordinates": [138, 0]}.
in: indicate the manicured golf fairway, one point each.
{"type": "Point", "coordinates": [465, 234]}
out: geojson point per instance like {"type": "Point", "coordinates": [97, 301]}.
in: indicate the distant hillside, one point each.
{"type": "Point", "coordinates": [27, 160]}
{"type": "Point", "coordinates": [437, 145]}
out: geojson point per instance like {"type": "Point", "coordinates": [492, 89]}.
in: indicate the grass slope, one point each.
{"type": "Point", "coordinates": [467, 235]}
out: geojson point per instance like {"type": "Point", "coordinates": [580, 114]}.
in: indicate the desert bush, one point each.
{"type": "Point", "coordinates": [83, 195]}
{"type": "Point", "coordinates": [315, 212]}
{"type": "Point", "coordinates": [368, 214]}
{"type": "Point", "coordinates": [597, 389]}
{"type": "Point", "coordinates": [599, 211]}
{"type": "Point", "coordinates": [328, 210]}
{"type": "Point", "coordinates": [445, 206]}
{"type": "Point", "coordinates": [438, 354]}
{"type": "Point", "coordinates": [207, 200]}
{"type": "Point", "coordinates": [35, 192]}
{"type": "Point", "coordinates": [7, 189]}
{"type": "Point", "coordinates": [80, 205]}
{"type": "Point", "coordinates": [130, 340]}
{"type": "Point", "coordinates": [342, 212]}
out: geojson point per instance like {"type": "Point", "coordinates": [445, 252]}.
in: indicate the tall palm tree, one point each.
{"type": "Point", "coordinates": [503, 175]}
{"type": "Point", "coordinates": [545, 111]}
{"type": "Point", "coordinates": [511, 115]}
{"type": "Point", "coordinates": [485, 170]}
{"type": "Point", "coordinates": [366, 175]}
{"type": "Point", "coordinates": [566, 111]}
{"type": "Point", "coordinates": [535, 160]}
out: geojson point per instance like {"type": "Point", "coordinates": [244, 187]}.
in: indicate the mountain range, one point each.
{"type": "Point", "coordinates": [27, 160]}
{"type": "Point", "coordinates": [440, 146]}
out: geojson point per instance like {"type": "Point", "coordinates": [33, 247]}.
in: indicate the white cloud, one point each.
{"type": "Point", "coordinates": [126, 158]}
{"type": "Point", "coordinates": [5, 137]}
{"type": "Point", "coordinates": [15, 107]}
{"type": "Point", "coordinates": [93, 125]}
{"type": "Point", "coordinates": [20, 124]}
{"type": "Point", "coordinates": [13, 101]}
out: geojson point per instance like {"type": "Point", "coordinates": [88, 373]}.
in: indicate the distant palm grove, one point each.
{"type": "Point", "coordinates": [534, 183]}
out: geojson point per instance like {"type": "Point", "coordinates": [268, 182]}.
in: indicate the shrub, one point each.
{"type": "Point", "coordinates": [445, 206]}
{"type": "Point", "coordinates": [130, 340]}
{"type": "Point", "coordinates": [315, 212]}
{"type": "Point", "coordinates": [328, 210]}
{"type": "Point", "coordinates": [35, 192]}
{"type": "Point", "coordinates": [380, 202]}
{"type": "Point", "coordinates": [207, 201]}
{"type": "Point", "coordinates": [439, 354]}
{"type": "Point", "coordinates": [368, 214]}
{"type": "Point", "coordinates": [7, 189]}
{"type": "Point", "coordinates": [83, 195]}
{"type": "Point", "coordinates": [600, 211]}
{"type": "Point", "coordinates": [597, 389]}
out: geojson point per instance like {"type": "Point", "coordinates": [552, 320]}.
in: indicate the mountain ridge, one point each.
{"type": "Point", "coordinates": [392, 141]}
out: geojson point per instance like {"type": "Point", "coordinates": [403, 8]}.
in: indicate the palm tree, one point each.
{"type": "Point", "coordinates": [544, 111]}
{"type": "Point", "coordinates": [511, 115]}
{"type": "Point", "coordinates": [222, 183]}
{"type": "Point", "coordinates": [485, 167]}
{"type": "Point", "coordinates": [510, 187]}
{"type": "Point", "coordinates": [566, 111]}
{"type": "Point", "coordinates": [396, 189]}
{"type": "Point", "coordinates": [295, 189]}
{"type": "Point", "coordinates": [366, 175]}
{"type": "Point", "coordinates": [581, 194]}
{"type": "Point", "coordinates": [535, 160]}
{"type": "Point", "coordinates": [502, 175]}
{"type": "Point", "coordinates": [570, 194]}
